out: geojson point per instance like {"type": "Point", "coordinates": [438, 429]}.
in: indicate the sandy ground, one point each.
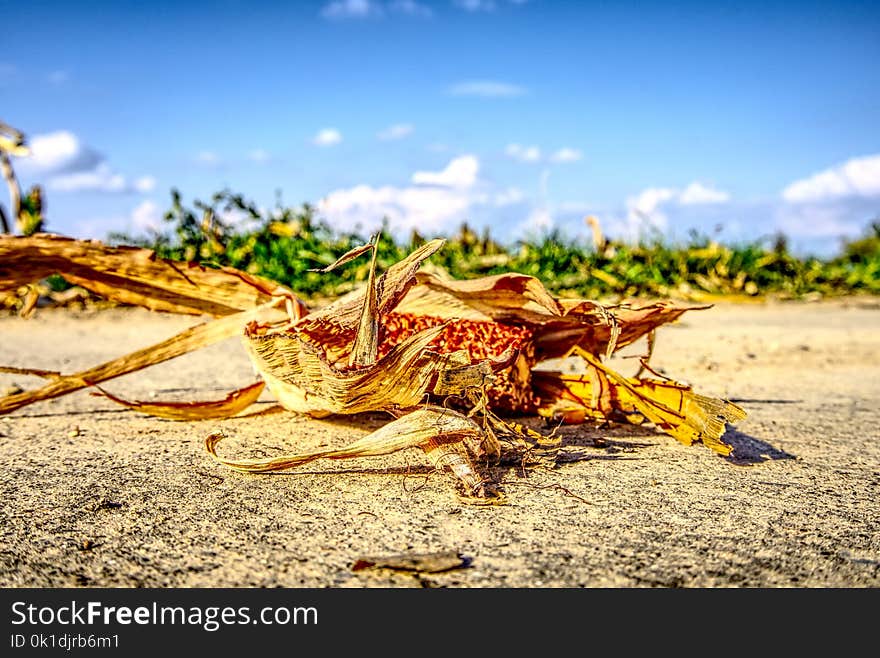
{"type": "Point", "coordinates": [97, 495]}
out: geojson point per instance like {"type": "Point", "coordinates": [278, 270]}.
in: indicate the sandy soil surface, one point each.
{"type": "Point", "coordinates": [92, 494]}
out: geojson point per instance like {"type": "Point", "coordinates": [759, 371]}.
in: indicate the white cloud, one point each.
{"type": "Point", "coordinates": [475, 5]}
{"type": "Point", "coordinates": [146, 216]}
{"type": "Point", "coordinates": [566, 154]}
{"type": "Point", "coordinates": [833, 203]}
{"type": "Point", "coordinates": [533, 154]}
{"type": "Point", "coordinates": [696, 193]}
{"type": "Point", "coordinates": [523, 153]}
{"type": "Point", "coordinates": [487, 89]}
{"type": "Point", "coordinates": [145, 184]}
{"type": "Point", "coordinates": [460, 172]}
{"type": "Point", "coordinates": [71, 166]}
{"type": "Point", "coordinates": [350, 9]}
{"type": "Point", "coordinates": [857, 177]}
{"type": "Point", "coordinates": [647, 205]}
{"type": "Point", "coordinates": [59, 152]}
{"type": "Point", "coordinates": [423, 208]}
{"type": "Point", "coordinates": [259, 155]}
{"type": "Point", "coordinates": [433, 202]}
{"type": "Point", "coordinates": [327, 137]}
{"type": "Point", "coordinates": [396, 131]}
{"type": "Point", "coordinates": [361, 9]}
{"type": "Point", "coordinates": [101, 178]}
{"type": "Point", "coordinates": [411, 8]}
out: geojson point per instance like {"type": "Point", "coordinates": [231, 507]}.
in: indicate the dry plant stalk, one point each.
{"type": "Point", "coordinates": [446, 358]}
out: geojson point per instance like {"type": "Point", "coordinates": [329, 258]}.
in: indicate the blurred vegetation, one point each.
{"type": "Point", "coordinates": [283, 243]}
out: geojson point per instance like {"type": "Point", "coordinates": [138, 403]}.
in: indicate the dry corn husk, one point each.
{"type": "Point", "coordinates": [232, 404]}
{"type": "Point", "coordinates": [337, 360]}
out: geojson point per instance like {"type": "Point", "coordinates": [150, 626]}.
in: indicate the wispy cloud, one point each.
{"type": "Point", "coordinates": [363, 9]}
{"type": "Point", "coordinates": [487, 89]}
{"type": "Point", "coordinates": [857, 177]}
{"type": "Point", "coordinates": [533, 154]}
{"type": "Point", "coordinates": [566, 154]}
{"type": "Point", "coordinates": [72, 166]}
{"type": "Point", "coordinates": [101, 178]}
{"type": "Point", "coordinates": [146, 216]}
{"type": "Point", "coordinates": [650, 205]}
{"type": "Point", "coordinates": [696, 194]}
{"type": "Point", "coordinates": [523, 153]}
{"type": "Point", "coordinates": [350, 9]}
{"type": "Point", "coordinates": [396, 131]}
{"type": "Point", "coordinates": [483, 5]}
{"type": "Point", "coordinates": [475, 5]}
{"type": "Point", "coordinates": [327, 137]}
{"type": "Point", "coordinates": [145, 184]}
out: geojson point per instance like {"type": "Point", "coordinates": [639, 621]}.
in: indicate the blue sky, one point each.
{"type": "Point", "coordinates": [519, 115]}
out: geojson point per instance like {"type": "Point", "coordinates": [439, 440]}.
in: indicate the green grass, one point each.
{"type": "Point", "coordinates": [284, 243]}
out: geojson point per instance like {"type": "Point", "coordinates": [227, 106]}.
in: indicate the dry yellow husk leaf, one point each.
{"type": "Point", "coordinates": [604, 394]}
{"type": "Point", "coordinates": [448, 438]}
{"type": "Point", "coordinates": [136, 276]}
{"type": "Point", "coordinates": [131, 275]}
{"type": "Point", "coordinates": [234, 403]}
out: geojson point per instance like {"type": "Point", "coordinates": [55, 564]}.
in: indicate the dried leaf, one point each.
{"type": "Point", "coordinates": [422, 562]}
{"type": "Point", "coordinates": [34, 372]}
{"type": "Point", "coordinates": [557, 325]}
{"type": "Point", "coordinates": [441, 433]}
{"type": "Point", "coordinates": [334, 327]}
{"type": "Point", "coordinates": [302, 380]}
{"type": "Point", "coordinates": [345, 258]}
{"type": "Point", "coordinates": [233, 403]}
{"type": "Point", "coordinates": [131, 275]}
{"type": "Point", "coordinates": [673, 407]}
{"type": "Point", "coordinates": [366, 342]}
{"type": "Point", "coordinates": [187, 340]}
{"type": "Point", "coordinates": [135, 276]}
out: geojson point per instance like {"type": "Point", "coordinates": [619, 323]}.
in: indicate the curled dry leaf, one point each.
{"type": "Point", "coordinates": [131, 275]}
{"type": "Point", "coordinates": [136, 276]}
{"type": "Point", "coordinates": [447, 437]}
{"type": "Point", "coordinates": [410, 343]}
{"type": "Point", "coordinates": [604, 394]}
{"type": "Point", "coordinates": [233, 403]}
